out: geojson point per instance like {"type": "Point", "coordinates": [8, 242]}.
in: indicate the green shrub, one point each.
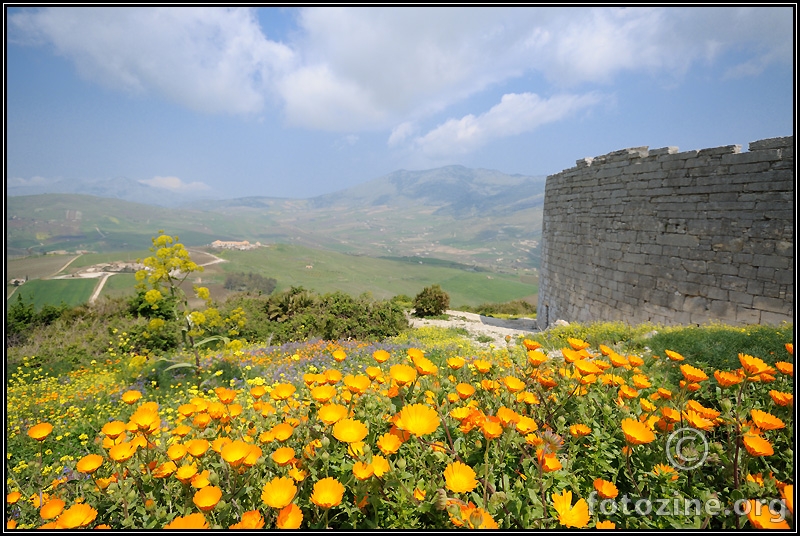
{"type": "Point", "coordinates": [515, 307]}
{"type": "Point", "coordinates": [432, 301]}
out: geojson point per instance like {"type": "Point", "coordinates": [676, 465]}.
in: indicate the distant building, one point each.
{"type": "Point", "coordinates": [220, 244]}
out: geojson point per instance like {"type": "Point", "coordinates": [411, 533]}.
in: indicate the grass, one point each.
{"type": "Point", "coordinates": [54, 291]}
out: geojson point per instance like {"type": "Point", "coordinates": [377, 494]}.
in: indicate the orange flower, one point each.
{"type": "Point", "coordinates": [52, 508]}
{"type": "Point", "coordinates": [185, 473]}
{"type": "Point", "coordinates": [403, 374]}
{"type": "Point", "coordinates": [460, 478]}
{"type": "Point", "coordinates": [606, 489]}
{"type": "Point", "coordinates": [766, 421]}
{"type": "Point", "coordinates": [89, 463]}
{"type": "Point", "coordinates": [332, 413]}
{"type": "Point", "coordinates": [526, 425]}
{"type": "Point", "coordinates": [207, 498]}
{"type": "Point", "coordinates": [40, 431]}
{"type": "Point", "coordinates": [787, 492]}
{"type": "Point", "coordinates": [165, 469]}
{"type": "Point", "coordinates": [455, 363]}
{"type": "Point", "coordinates": [425, 366]}
{"type": "Point", "coordinates": [640, 381]}
{"type": "Point", "coordinates": [113, 429]}
{"type": "Point", "coordinates": [757, 446]}
{"type": "Point", "coordinates": [363, 471]}
{"type": "Point", "coordinates": [197, 447]}
{"type": "Point", "coordinates": [636, 433]}
{"type": "Point", "coordinates": [782, 399]}
{"type": "Point", "coordinates": [536, 358]}
{"type": "Point", "coordinates": [513, 384]}
{"type": "Point", "coordinates": [605, 525]}
{"type": "Point", "coordinates": [761, 517]}
{"type": "Point", "coordinates": [579, 430]}
{"type": "Point", "coordinates": [278, 492]}
{"type": "Point", "coordinates": [380, 465]}
{"type": "Point", "coordinates": [235, 452]}
{"type": "Point", "coordinates": [491, 429]}
{"type": "Point", "coordinates": [323, 393]}
{"type": "Point", "coordinates": [754, 366]}
{"type": "Point", "coordinates": [389, 443]}
{"type": "Point", "coordinates": [122, 452]}
{"type": "Point", "coordinates": [666, 471]}
{"type": "Point", "coordinates": [618, 360]}
{"type": "Point", "coordinates": [356, 384]}
{"type": "Point", "coordinates": [283, 456]}
{"type": "Point", "coordinates": [482, 366]}
{"type": "Point", "coordinates": [674, 356]}
{"type": "Point", "coordinates": [192, 521]}
{"type": "Point", "coordinates": [381, 356]}
{"type": "Point", "coordinates": [283, 431]}
{"type": "Point", "coordinates": [785, 368]}
{"type": "Point", "coordinates": [465, 390]}
{"type": "Point", "coordinates": [548, 461]}
{"type": "Point", "coordinates": [78, 515]}
{"type": "Point", "coordinates": [570, 516]}
{"type": "Point", "coordinates": [418, 419]}
{"type": "Point", "coordinates": [693, 374]}
{"type": "Point", "coordinates": [327, 493]}
{"type": "Point", "coordinates": [290, 517]}
{"type": "Point", "coordinates": [727, 379]}
{"type": "Point", "coordinates": [350, 430]}
{"type": "Point", "coordinates": [578, 344]}
{"type": "Point", "coordinates": [250, 520]}
{"type": "Point", "coordinates": [531, 345]}
{"type": "Point", "coordinates": [695, 420]}
{"type": "Point", "coordinates": [130, 397]}
{"type": "Point", "coordinates": [13, 497]}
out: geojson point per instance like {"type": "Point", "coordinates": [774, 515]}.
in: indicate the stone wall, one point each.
{"type": "Point", "coordinates": [671, 237]}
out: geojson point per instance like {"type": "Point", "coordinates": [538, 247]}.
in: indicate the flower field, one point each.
{"type": "Point", "coordinates": [420, 431]}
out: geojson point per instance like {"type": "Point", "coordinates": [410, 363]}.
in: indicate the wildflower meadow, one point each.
{"type": "Point", "coordinates": [423, 430]}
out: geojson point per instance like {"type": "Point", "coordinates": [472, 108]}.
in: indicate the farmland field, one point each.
{"type": "Point", "coordinates": [54, 291]}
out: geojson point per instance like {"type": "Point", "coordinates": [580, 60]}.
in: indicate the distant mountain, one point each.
{"type": "Point", "coordinates": [121, 188]}
{"type": "Point", "coordinates": [476, 217]}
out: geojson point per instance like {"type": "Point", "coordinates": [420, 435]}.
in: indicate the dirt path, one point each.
{"type": "Point", "coordinates": [479, 325]}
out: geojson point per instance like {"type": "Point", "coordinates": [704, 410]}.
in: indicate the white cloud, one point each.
{"type": "Point", "coordinates": [400, 133]}
{"type": "Point", "coordinates": [515, 114]}
{"type": "Point", "coordinates": [174, 184]}
{"type": "Point", "coordinates": [352, 69]}
{"type": "Point", "coordinates": [212, 60]}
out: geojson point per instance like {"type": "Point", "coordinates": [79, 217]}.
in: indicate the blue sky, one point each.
{"type": "Point", "coordinates": [290, 102]}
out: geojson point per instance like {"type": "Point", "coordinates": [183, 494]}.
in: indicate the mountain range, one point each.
{"type": "Point", "coordinates": [476, 217]}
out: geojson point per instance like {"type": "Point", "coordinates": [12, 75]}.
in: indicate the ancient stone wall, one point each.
{"type": "Point", "coordinates": [671, 237]}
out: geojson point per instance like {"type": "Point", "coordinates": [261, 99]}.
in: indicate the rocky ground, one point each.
{"type": "Point", "coordinates": [479, 325]}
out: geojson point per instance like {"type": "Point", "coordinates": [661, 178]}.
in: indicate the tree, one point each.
{"type": "Point", "coordinates": [432, 301]}
{"type": "Point", "coordinates": [161, 280]}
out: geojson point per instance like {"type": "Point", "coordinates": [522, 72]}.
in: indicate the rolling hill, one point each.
{"type": "Point", "coordinates": [475, 217]}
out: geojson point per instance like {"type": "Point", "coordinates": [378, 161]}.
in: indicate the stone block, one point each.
{"type": "Point", "coordinates": [747, 315]}
{"type": "Point", "coordinates": [772, 143]}
{"type": "Point", "coordinates": [775, 319]}
{"type": "Point", "coordinates": [775, 305]}
{"type": "Point", "coordinates": [680, 240]}
{"type": "Point", "coordinates": [742, 298]}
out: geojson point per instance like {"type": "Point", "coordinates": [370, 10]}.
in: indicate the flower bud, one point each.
{"type": "Point", "coordinates": [325, 441]}
{"type": "Point", "coordinates": [401, 464]}
{"type": "Point", "coordinates": [440, 501]}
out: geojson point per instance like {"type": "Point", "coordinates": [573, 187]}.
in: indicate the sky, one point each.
{"type": "Point", "coordinates": [298, 102]}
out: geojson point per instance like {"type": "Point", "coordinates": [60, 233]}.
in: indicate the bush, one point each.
{"type": "Point", "coordinates": [432, 301]}
{"type": "Point", "coordinates": [515, 307]}
{"type": "Point", "coordinates": [241, 282]}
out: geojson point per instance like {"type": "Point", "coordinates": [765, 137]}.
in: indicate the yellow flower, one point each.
{"type": "Point", "coordinates": [570, 516]}
{"type": "Point", "coordinates": [40, 431]}
{"type": "Point", "coordinates": [197, 447]}
{"type": "Point", "coordinates": [350, 430]}
{"type": "Point", "coordinates": [290, 517]}
{"type": "Point", "coordinates": [606, 489]}
{"type": "Point", "coordinates": [455, 363]}
{"type": "Point", "coordinates": [460, 478]}
{"type": "Point", "coordinates": [465, 390]}
{"type": "Point", "coordinates": [482, 366]}
{"type": "Point", "coordinates": [526, 425]}
{"type": "Point", "coordinates": [192, 521]}
{"type": "Point", "coordinates": [674, 356]}
{"type": "Point", "coordinates": [283, 431]}
{"type": "Point", "coordinates": [207, 498]}
{"type": "Point", "coordinates": [327, 493]}
{"type": "Point", "coordinates": [235, 452]}
{"type": "Point", "coordinates": [548, 461]}
{"type": "Point", "coordinates": [513, 384]}
{"type": "Point", "coordinates": [531, 345]}
{"type": "Point", "coordinates": [536, 357]}
{"type": "Point", "coordinates": [185, 473]}
{"type": "Point", "coordinates": [282, 391]}
{"type": "Point", "coordinates": [418, 419]}
{"type": "Point", "coordinates": [122, 452]}
{"type": "Point", "coordinates": [279, 492]}
{"type": "Point", "coordinates": [356, 384]}
{"type": "Point", "coordinates": [637, 433]}
{"type": "Point", "coordinates": [339, 356]}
